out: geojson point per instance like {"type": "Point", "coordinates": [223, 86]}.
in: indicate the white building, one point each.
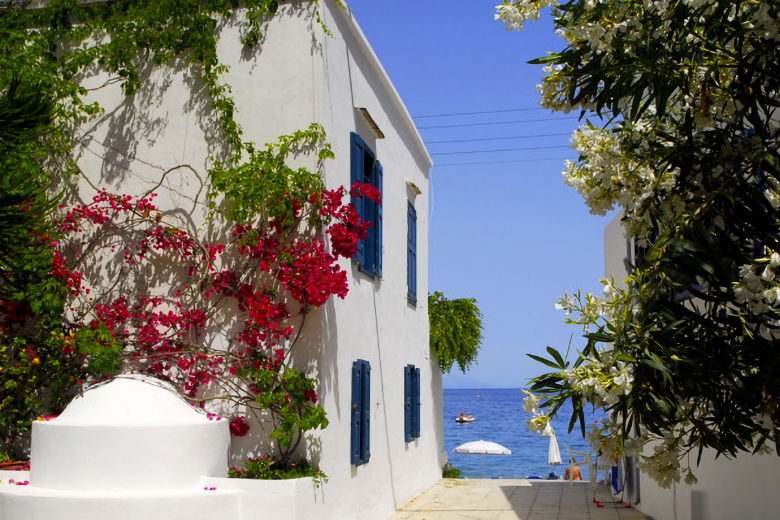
{"type": "Point", "coordinates": [745, 487]}
{"type": "Point", "coordinates": [367, 349]}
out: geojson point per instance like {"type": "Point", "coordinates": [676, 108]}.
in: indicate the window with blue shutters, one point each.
{"type": "Point", "coordinates": [365, 168]}
{"type": "Point", "coordinates": [411, 403]}
{"type": "Point", "coordinates": [411, 254]}
{"type": "Point", "coordinates": [360, 450]}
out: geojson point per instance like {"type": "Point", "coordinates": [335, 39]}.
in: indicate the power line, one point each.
{"type": "Point", "coordinates": [510, 161]}
{"type": "Point", "coordinates": [496, 123]}
{"type": "Point", "coordinates": [482, 112]}
{"type": "Point", "coordinates": [503, 150]}
{"type": "Point", "coordinates": [497, 138]}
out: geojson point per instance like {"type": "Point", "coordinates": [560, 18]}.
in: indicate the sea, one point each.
{"type": "Point", "coordinates": [500, 418]}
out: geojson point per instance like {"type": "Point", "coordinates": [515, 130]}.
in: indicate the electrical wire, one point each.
{"type": "Point", "coordinates": [497, 138]}
{"type": "Point", "coordinates": [514, 121]}
{"type": "Point", "coordinates": [523, 149]}
{"type": "Point", "coordinates": [502, 111]}
{"type": "Point", "coordinates": [510, 161]}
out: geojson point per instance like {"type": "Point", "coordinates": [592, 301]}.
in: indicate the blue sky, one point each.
{"type": "Point", "coordinates": [505, 229]}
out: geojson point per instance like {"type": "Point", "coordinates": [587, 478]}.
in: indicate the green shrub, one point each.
{"type": "Point", "coordinates": [449, 471]}
{"type": "Point", "coordinates": [267, 468]}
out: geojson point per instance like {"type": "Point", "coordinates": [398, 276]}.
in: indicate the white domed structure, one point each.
{"type": "Point", "coordinates": [128, 435]}
{"type": "Point", "coordinates": [127, 449]}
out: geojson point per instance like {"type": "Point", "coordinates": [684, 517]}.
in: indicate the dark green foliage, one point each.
{"type": "Point", "coordinates": [36, 376]}
{"type": "Point", "coordinates": [456, 331]}
{"type": "Point", "coordinates": [25, 229]}
{"type": "Point", "coordinates": [703, 355]}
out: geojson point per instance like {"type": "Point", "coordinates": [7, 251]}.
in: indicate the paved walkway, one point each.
{"type": "Point", "coordinates": [513, 499]}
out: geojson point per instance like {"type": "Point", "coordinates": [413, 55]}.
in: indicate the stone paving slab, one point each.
{"type": "Point", "coordinates": [514, 499]}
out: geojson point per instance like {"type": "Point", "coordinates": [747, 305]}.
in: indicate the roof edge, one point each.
{"type": "Point", "coordinates": [366, 48]}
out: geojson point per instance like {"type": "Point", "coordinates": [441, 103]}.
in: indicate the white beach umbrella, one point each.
{"type": "Point", "coordinates": [553, 451]}
{"type": "Point", "coordinates": [481, 447]}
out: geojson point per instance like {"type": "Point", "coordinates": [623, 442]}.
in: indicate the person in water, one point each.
{"type": "Point", "coordinates": [573, 472]}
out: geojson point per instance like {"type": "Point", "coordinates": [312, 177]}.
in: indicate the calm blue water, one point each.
{"type": "Point", "coordinates": [500, 418]}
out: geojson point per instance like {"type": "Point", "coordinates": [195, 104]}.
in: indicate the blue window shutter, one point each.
{"type": "Point", "coordinates": [356, 413]}
{"type": "Point", "coordinates": [356, 175]}
{"type": "Point", "coordinates": [411, 254]}
{"type": "Point", "coordinates": [370, 208]}
{"type": "Point", "coordinates": [369, 251]}
{"type": "Point", "coordinates": [408, 403]}
{"type": "Point", "coordinates": [378, 174]}
{"type": "Point", "coordinates": [416, 403]}
{"type": "Point", "coordinates": [365, 419]}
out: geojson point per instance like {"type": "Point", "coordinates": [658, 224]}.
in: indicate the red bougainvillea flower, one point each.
{"type": "Point", "coordinates": [239, 427]}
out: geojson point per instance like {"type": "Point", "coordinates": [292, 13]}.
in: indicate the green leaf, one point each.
{"type": "Point", "coordinates": [557, 356]}
{"type": "Point", "coordinates": [547, 362]}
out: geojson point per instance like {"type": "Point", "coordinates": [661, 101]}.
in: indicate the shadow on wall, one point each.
{"type": "Point", "coordinates": [328, 366]}
{"type": "Point", "coordinates": [134, 125]}
{"type": "Point", "coordinates": [306, 357]}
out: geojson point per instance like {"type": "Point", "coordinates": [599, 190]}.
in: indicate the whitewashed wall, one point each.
{"type": "Point", "coordinates": [727, 489]}
{"type": "Point", "coordinates": [744, 488]}
{"type": "Point", "coordinates": [375, 322]}
{"type": "Point", "coordinates": [299, 75]}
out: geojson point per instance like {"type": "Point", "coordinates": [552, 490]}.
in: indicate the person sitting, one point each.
{"type": "Point", "coordinates": [470, 417]}
{"type": "Point", "coordinates": [461, 417]}
{"type": "Point", "coordinates": [552, 476]}
{"type": "Point", "coordinates": [573, 472]}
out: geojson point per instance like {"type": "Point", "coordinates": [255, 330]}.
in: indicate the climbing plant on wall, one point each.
{"type": "Point", "coordinates": [235, 299]}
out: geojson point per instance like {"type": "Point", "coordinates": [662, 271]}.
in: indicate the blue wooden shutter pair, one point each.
{"type": "Point", "coordinates": [411, 254]}
{"type": "Point", "coordinates": [365, 168]}
{"type": "Point", "coordinates": [360, 450]}
{"type": "Point", "coordinates": [411, 403]}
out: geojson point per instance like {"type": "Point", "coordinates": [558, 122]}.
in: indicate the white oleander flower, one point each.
{"type": "Point", "coordinates": [566, 303]}
{"type": "Point", "coordinates": [531, 403]}
{"type": "Point", "coordinates": [513, 14]}
{"type": "Point", "coordinates": [537, 423]}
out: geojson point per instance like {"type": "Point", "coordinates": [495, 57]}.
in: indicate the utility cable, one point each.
{"type": "Point", "coordinates": [497, 138]}
{"type": "Point", "coordinates": [514, 121]}
{"type": "Point", "coordinates": [509, 161]}
{"type": "Point", "coordinates": [502, 111]}
{"type": "Point", "coordinates": [523, 149]}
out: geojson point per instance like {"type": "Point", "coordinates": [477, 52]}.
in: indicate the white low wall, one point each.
{"type": "Point", "coordinates": [292, 499]}
{"type": "Point", "coordinates": [222, 498]}
{"type": "Point", "coordinates": [744, 488]}
{"type": "Point", "coordinates": [35, 503]}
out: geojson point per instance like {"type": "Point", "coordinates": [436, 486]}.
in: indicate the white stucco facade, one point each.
{"type": "Point", "coordinates": [745, 487]}
{"type": "Point", "coordinates": [375, 322]}
{"type": "Point", "coordinates": [296, 76]}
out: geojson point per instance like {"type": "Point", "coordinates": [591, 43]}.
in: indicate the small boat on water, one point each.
{"type": "Point", "coordinates": [465, 418]}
